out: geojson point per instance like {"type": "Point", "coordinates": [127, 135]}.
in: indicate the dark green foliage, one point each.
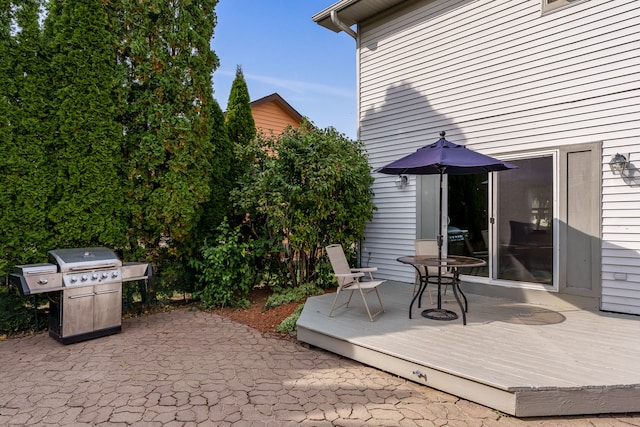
{"type": "Point", "coordinates": [316, 191]}
{"type": "Point", "coordinates": [220, 177]}
{"type": "Point", "coordinates": [87, 149]}
{"type": "Point", "coordinates": [225, 272]}
{"type": "Point", "coordinates": [241, 127]}
{"type": "Point", "coordinates": [8, 115]}
{"type": "Point", "coordinates": [288, 295]}
{"type": "Point", "coordinates": [288, 325]}
{"type": "Point", "coordinates": [24, 134]}
{"type": "Point", "coordinates": [110, 136]}
{"type": "Point", "coordinates": [106, 129]}
{"type": "Point", "coordinates": [168, 149]}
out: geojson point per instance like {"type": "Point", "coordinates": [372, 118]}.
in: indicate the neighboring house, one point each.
{"type": "Point", "coordinates": [272, 114]}
{"type": "Point", "coordinates": [550, 85]}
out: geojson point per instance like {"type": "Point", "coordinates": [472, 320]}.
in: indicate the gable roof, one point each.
{"type": "Point", "coordinates": [351, 12]}
{"type": "Point", "coordinates": [277, 99]}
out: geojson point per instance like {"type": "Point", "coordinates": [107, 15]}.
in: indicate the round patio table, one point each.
{"type": "Point", "coordinates": [452, 261]}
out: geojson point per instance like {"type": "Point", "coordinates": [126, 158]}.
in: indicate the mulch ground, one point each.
{"type": "Point", "coordinates": [255, 316]}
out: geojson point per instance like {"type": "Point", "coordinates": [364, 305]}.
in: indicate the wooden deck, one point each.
{"type": "Point", "coordinates": [521, 359]}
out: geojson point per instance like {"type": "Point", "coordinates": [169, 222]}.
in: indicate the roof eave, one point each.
{"type": "Point", "coordinates": [352, 12]}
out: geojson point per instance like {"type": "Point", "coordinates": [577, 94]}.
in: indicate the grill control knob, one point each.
{"type": "Point", "coordinates": [95, 276]}
{"type": "Point", "coordinates": [105, 275]}
{"type": "Point", "coordinates": [74, 279]}
{"type": "Point", "coordinates": [84, 278]}
{"type": "Point", "coordinates": [114, 274]}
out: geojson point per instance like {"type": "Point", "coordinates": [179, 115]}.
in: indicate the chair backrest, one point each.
{"type": "Point", "coordinates": [485, 237]}
{"type": "Point", "coordinates": [428, 247]}
{"type": "Point", "coordinates": [339, 263]}
{"type": "Point", "coordinates": [469, 246]}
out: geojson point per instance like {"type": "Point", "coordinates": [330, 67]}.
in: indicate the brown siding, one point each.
{"type": "Point", "coordinates": [271, 118]}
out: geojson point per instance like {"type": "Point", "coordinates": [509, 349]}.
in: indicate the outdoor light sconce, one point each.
{"type": "Point", "coordinates": [618, 164]}
{"type": "Point", "coordinates": [402, 181]}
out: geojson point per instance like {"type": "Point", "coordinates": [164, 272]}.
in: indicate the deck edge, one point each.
{"type": "Point", "coordinates": [480, 393]}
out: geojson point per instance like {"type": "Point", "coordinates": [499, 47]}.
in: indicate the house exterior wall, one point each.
{"type": "Point", "coordinates": [271, 118]}
{"type": "Point", "coordinates": [502, 77]}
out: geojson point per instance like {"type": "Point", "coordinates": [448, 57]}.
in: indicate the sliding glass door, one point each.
{"type": "Point", "coordinates": [507, 220]}
{"type": "Point", "coordinates": [524, 206]}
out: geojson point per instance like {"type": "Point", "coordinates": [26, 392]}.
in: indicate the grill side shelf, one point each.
{"type": "Point", "coordinates": [135, 271]}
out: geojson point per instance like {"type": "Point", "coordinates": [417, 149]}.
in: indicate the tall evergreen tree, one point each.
{"type": "Point", "coordinates": [24, 179]}
{"type": "Point", "coordinates": [7, 118]}
{"type": "Point", "coordinates": [241, 127]}
{"type": "Point", "coordinates": [168, 136]}
{"type": "Point", "coordinates": [218, 205]}
{"type": "Point", "coordinates": [88, 142]}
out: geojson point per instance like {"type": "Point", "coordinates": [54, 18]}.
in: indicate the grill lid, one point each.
{"type": "Point", "coordinates": [78, 259]}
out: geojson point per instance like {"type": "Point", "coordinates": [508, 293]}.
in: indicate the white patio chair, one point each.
{"type": "Point", "coordinates": [430, 247]}
{"type": "Point", "coordinates": [349, 280]}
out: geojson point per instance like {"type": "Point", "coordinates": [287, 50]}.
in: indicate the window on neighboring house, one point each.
{"type": "Point", "coordinates": [548, 5]}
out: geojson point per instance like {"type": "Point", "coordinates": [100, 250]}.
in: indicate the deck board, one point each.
{"type": "Point", "coordinates": [584, 359]}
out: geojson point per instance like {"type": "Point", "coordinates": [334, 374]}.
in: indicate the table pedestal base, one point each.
{"type": "Point", "coordinates": [439, 314]}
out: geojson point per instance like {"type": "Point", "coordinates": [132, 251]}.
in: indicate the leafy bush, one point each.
{"type": "Point", "coordinates": [289, 324]}
{"type": "Point", "coordinates": [286, 296]}
{"type": "Point", "coordinates": [225, 274]}
{"type": "Point", "coordinates": [316, 191]}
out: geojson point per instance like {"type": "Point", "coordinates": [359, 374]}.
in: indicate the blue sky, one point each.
{"type": "Point", "coordinates": [281, 50]}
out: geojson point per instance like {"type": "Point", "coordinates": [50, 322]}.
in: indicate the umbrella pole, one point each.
{"type": "Point", "coordinates": [440, 238]}
{"type": "Point", "coordinates": [439, 313]}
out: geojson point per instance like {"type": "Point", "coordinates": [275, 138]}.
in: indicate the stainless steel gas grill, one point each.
{"type": "Point", "coordinates": [84, 287]}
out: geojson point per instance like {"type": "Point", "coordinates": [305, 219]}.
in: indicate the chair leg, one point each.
{"type": "Point", "coordinates": [335, 300]}
{"type": "Point", "coordinates": [366, 306]}
{"type": "Point", "coordinates": [379, 300]}
{"type": "Point", "coordinates": [333, 306]}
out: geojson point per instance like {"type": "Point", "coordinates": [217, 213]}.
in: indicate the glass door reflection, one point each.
{"type": "Point", "coordinates": [468, 199]}
{"type": "Point", "coordinates": [524, 219]}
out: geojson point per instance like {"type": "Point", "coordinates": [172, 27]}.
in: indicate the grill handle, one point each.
{"type": "Point", "coordinates": [93, 267]}
{"type": "Point", "coordinates": [112, 291]}
{"type": "Point", "coordinates": [90, 294]}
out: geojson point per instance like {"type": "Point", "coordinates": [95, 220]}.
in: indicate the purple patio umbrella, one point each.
{"type": "Point", "coordinates": [439, 158]}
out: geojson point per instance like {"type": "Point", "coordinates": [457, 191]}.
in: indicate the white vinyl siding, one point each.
{"type": "Point", "coordinates": [500, 77]}
{"type": "Point", "coordinates": [621, 231]}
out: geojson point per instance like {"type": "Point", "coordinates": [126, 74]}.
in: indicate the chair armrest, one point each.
{"type": "Point", "coordinates": [365, 269]}
{"type": "Point", "coordinates": [349, 275]}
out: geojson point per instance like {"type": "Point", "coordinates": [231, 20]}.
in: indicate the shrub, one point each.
{"type": "Point", "coordinates": [225, 274]}
{"type": "Point", "coordinates": [289, 324]}
{"type": "Point", "coordinates": [316, 191]}
{"type": "Point", "coordinates": [286, 296]}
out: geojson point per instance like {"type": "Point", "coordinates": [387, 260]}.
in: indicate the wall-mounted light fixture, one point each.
{"type": "Point", "coordinates": [619, 164]}
{"type": "Point", "coordinates": [402, 181]}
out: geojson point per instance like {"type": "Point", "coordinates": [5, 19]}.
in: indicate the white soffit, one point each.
{"type": "Point", "coordinates": [351, 12]}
